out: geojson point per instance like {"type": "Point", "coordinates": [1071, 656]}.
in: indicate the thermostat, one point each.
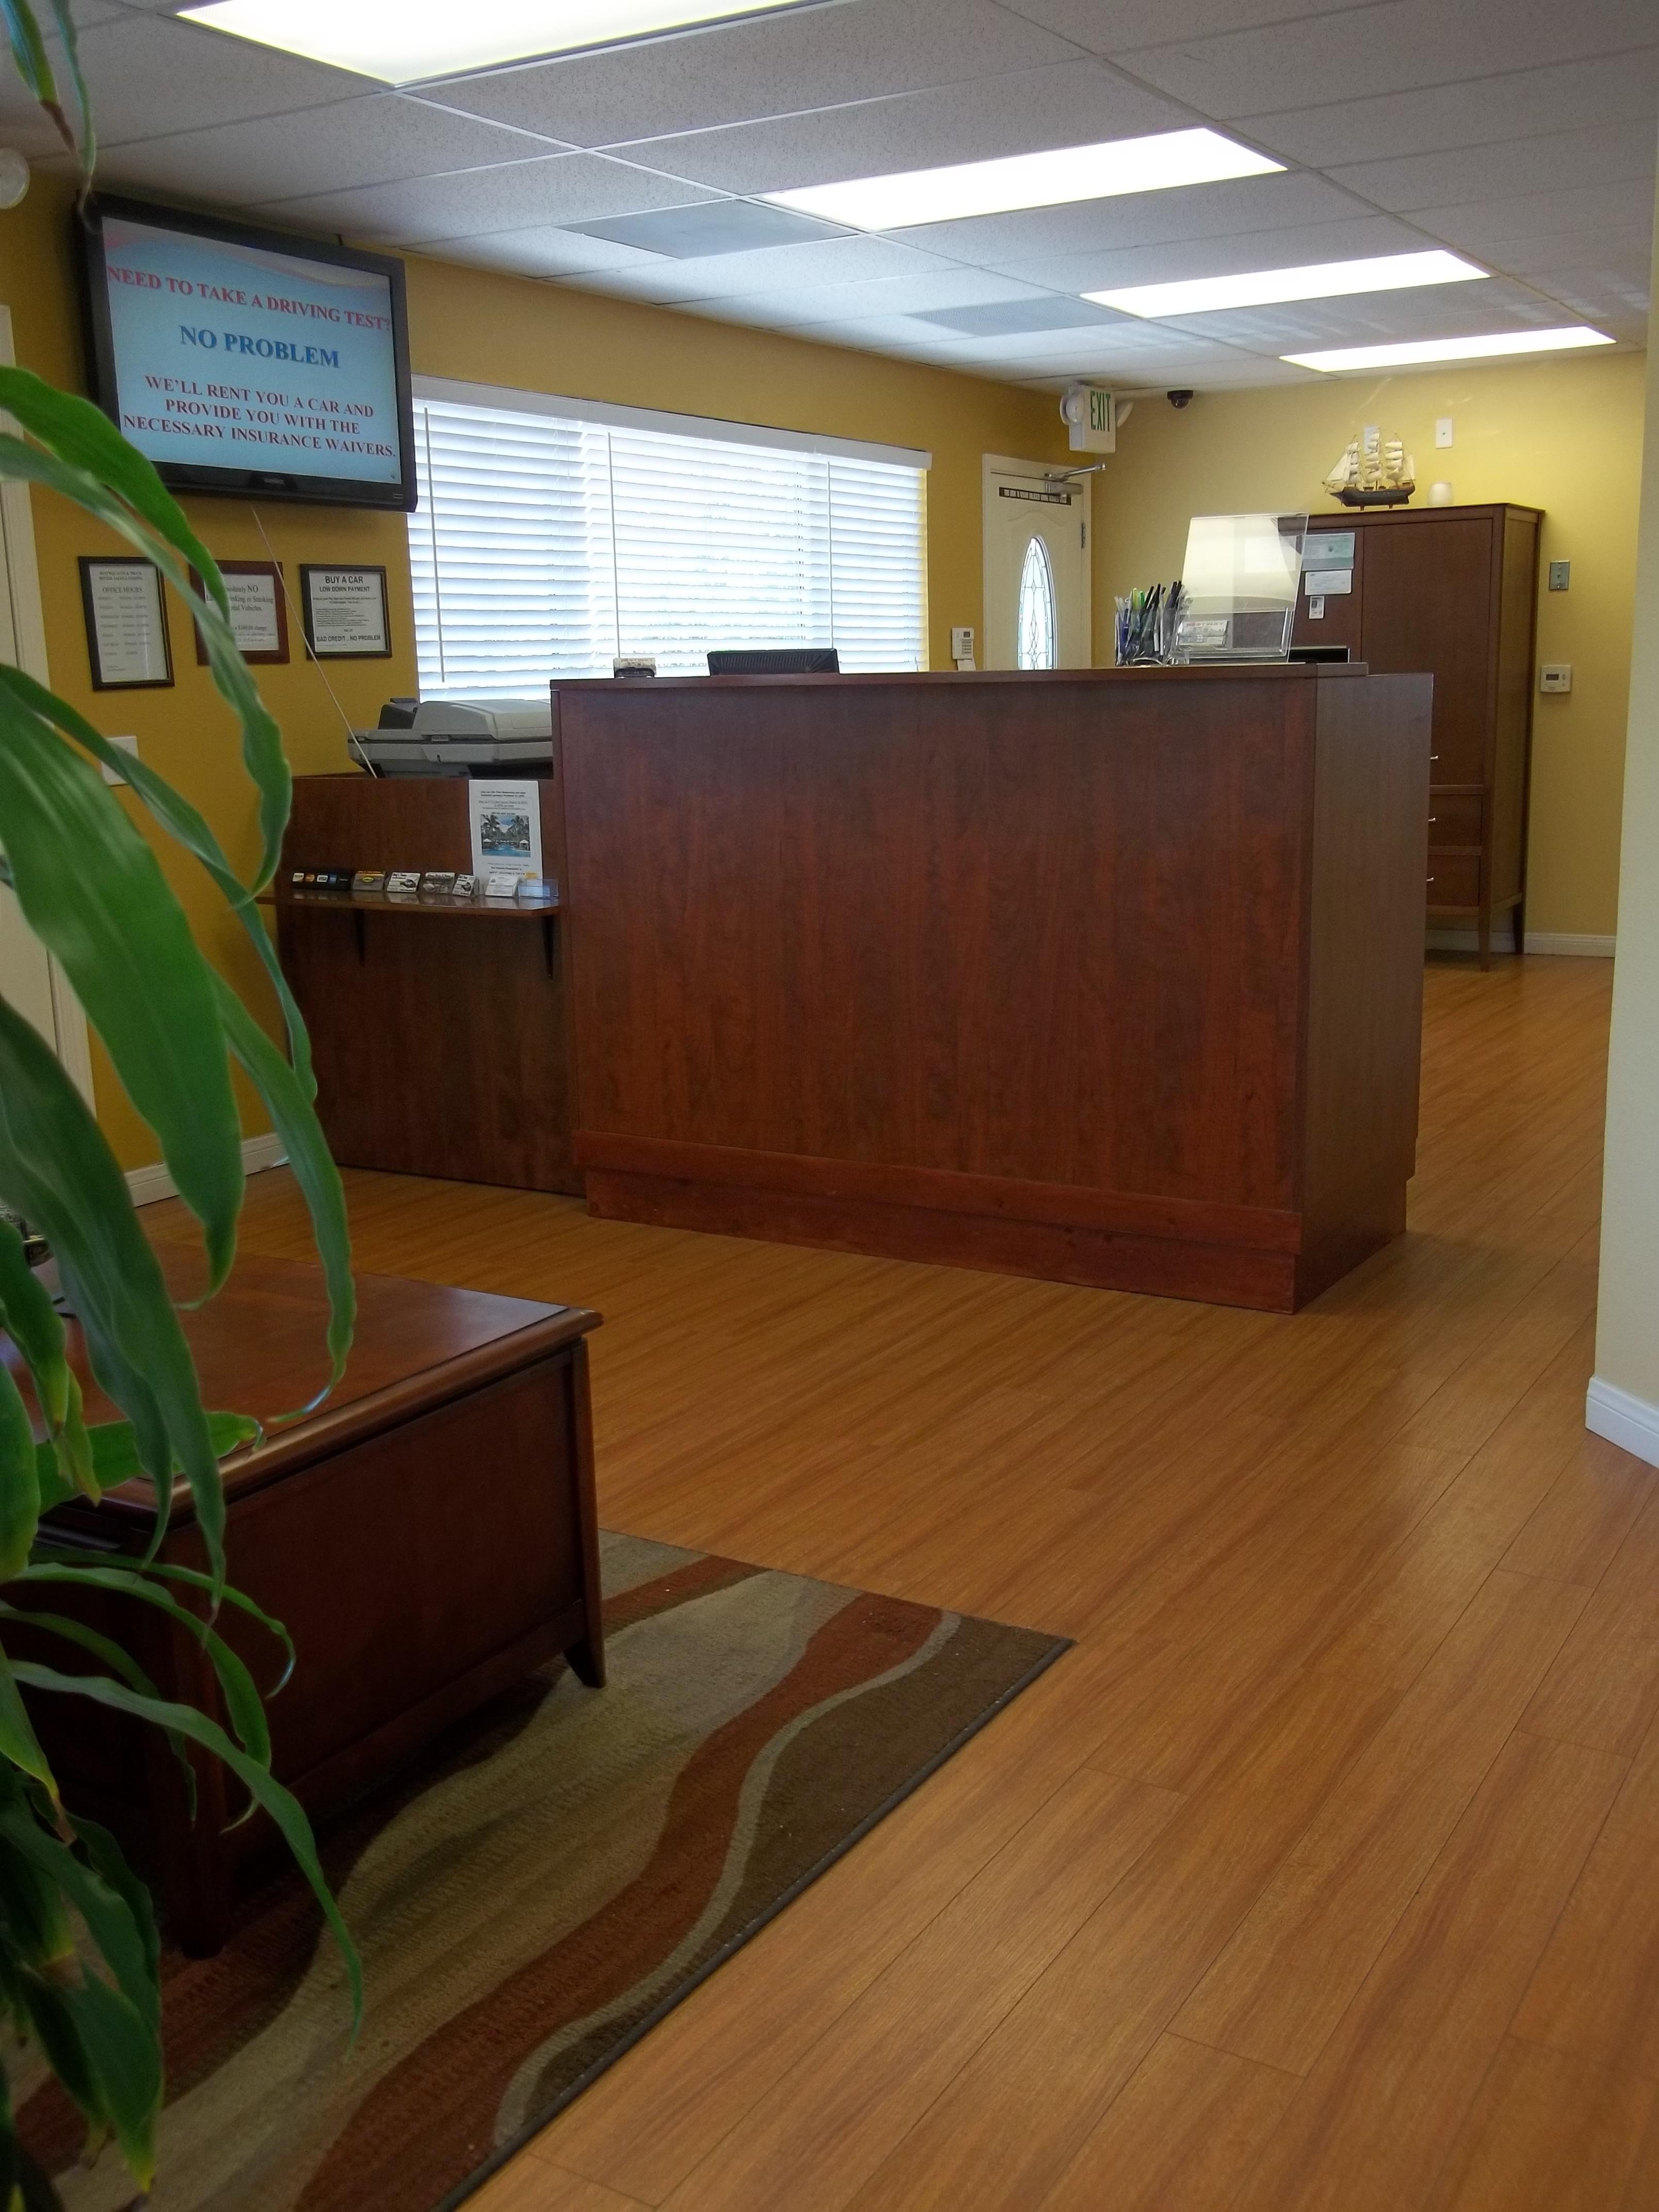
{"type": "Point", "coordinates": [1555, 676]}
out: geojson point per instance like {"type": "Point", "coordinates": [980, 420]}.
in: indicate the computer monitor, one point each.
{"type": "Point", "coordinates": [778, 660]}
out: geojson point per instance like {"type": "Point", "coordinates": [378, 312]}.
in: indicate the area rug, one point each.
{"type": "Point", "coordinates": [562, 1871]}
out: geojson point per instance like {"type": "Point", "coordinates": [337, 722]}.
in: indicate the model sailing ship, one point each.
{"type": "Point", "coordinates": [1374, 471]}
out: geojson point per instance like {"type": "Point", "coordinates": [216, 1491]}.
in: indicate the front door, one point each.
{"type": "Point", "coordinates": [1037, 584]}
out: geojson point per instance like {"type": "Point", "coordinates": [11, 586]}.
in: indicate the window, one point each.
{"type": "Point", "coordinates": [1037, 621]}
{"type": "Point", "coordinates": [545, 545]}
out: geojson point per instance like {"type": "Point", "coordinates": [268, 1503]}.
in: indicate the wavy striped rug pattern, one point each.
{"type": "Point", "coordinates": [566, 1869]}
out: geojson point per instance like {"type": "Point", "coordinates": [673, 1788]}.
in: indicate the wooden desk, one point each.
{"type": "Point", "coordinates": [437, 1031]}
{"type": "Point", "coordinates": [429, 1537]}
{"type": "Point", "coordinates": [1110, 976]}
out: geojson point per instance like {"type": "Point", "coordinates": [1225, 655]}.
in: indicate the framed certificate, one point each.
{"type": "Point", "coordinates": [126, 623]}
{"type": "Point", "coordinates": [259, 610]}
{"type": "Point", "coordinates": [345, 613]}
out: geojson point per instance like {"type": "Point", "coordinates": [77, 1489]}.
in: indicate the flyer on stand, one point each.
{"type": "Point", "coordinates": [507, 826]}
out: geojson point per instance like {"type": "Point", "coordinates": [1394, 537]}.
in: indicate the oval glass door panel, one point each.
{"type": "Point", "coordinates": [1038, 624]}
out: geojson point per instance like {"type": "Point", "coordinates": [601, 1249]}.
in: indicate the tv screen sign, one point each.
{"type": "Point", "coordinates": [251, 362]}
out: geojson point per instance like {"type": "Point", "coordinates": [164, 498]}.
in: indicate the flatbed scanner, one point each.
{"type": "Point", "coordinates": [458, 737]}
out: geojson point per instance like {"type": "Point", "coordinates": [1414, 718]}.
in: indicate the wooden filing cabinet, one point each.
{"type": "Point", "coordinates": [1450, 592]}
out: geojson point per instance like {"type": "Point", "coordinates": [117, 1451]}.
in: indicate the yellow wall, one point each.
{"type": "Point", "coordinates": [1624, 1397]}
{"type": "Point", "coordinates": [488, 329]}
{"type": "Point", "coordinates": [1563, 434]}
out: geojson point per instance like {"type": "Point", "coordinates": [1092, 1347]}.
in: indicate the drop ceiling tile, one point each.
{"type": "Point", "coordinates": [382, 139]}
{"type": "Point", "coordinates": [1142, 348]}
{"type": "Point", "coordinates": [1045, 311]}
{"type": "Point", "coordinates": [22, 126]}
{"type": "Point", "coordinates": [888, 299]}
{"type": "Point", "coordinates": [714, 226]}
{"type": "Point", "coordinates": [1391, 47]}
{"type": "Point", "coordinates": [1480, 112]}
{"type": "Point", "coordinates": [1381, 319]}
{"type": "Point", "coordinates": [1600, 293]}
{"type": "Point", "coordinates": [553, 189]}
{"type": "Point", "coordinates": [1606, 154]}
{"type": "Point", "coordinates": [1541, 214]}
{"type": "Point", "coordinates": [1015, 242]}
{"type": "Point", "coordinates": [1626, 255]}
{"type": "Point", "coordinates": [1234, 256]}
{"type": "Point", "coordinates": [1073, 104]}
{"type": "Point", "coordinates": [541, 251]}
{"type": "Point", "coordinates": [1109, 27]}
{"type": "Point", "coordinates": [839, 261]}
{"type": "Point", "coordinates": [737, 72]}
{"type": "Point", "coordinates": [680, 284]}
{"type": "Point", "coordinates": [150, 75]}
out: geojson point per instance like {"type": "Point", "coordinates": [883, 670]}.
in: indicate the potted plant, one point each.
{"type": "Point", "coordinates": [78, 1944]}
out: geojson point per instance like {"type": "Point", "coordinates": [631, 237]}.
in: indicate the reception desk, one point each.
{"type": "Point", "coordinates": [1112, 977]}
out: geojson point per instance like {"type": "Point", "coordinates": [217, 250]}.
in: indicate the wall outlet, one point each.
{"type": "Point", "coordinates": [1442, 430]}
{"type": "Point", "coordinates": [961, 644]}
{"type": "Point", "coordinates": [127, 745]}
{"type": "Point", "coordinates": [1555, 676]}
{"type": "Point", "coordinates": [1560, 575]}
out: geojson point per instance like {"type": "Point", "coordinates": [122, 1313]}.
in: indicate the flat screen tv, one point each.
{"type": "Point", "coordinates": [253, 363]}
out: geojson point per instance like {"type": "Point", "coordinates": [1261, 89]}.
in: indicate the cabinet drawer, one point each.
{"type": "Point", "coordinates": [1453, 878]}
{"type": "Point", "coordinates": [1455, 818]}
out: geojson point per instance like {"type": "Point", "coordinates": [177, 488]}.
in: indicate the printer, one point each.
{"type": "Point", "coordinates": [458, 737]}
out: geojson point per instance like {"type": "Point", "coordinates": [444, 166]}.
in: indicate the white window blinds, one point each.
{"type": "Point", "coordinates": [544, 547]}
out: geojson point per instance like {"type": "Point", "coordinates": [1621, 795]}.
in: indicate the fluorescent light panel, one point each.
{"type": "Point", "coordinates": [405, 41]}
{"type": "Point", "coordinates": [1030, 180]}
{"type": "Point", "coordinates": [1319, 280]}
{"type": "Point", "coordinates": [1417, 351]}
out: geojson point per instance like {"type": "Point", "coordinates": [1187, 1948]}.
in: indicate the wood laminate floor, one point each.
{"type": "Point", "coordinates": [1325, 1872]}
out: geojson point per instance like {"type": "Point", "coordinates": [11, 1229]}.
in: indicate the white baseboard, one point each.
{"type": "Point", "coordinates": [1560, 943]}
{"type": "Point", "coordinates": [153, 1182]}
{"type": "Point", "coordinates": [1623, 1418]}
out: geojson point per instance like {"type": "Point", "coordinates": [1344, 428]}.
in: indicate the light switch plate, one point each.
{"type": "Point", "coordinates": [1555, 676]}
{"type": "Point", "coordinates": [127, 745]}
{"type": "Point", "coordinates": [1442, 430]}
{"type": "Point", "coordinates": [1560, 575]}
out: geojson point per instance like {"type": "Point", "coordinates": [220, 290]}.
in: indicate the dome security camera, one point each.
{"type": "Point", "coordinates": [1179, 399]}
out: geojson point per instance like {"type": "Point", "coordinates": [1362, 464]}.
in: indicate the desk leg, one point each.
{"type": "Point", "coordinates": [586, 1654]}
{"type": "Point", "coordinates": [1484, 936]}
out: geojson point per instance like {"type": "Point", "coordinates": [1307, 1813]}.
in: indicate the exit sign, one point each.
{"type": "Point", "coordinates": [1090, 417]}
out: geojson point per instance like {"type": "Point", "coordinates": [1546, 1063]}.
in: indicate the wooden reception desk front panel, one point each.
{"type": "Point", "coordinates": [1111, 977]}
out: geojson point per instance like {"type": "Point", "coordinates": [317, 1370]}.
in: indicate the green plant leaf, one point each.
{"type": "Point", "coordinates": [120, 2063]}
{"type": "Point", "coordinates": [84, 439]}
{"type": "Point", "coordinates": [115, 1447]}
{"type": "Point", "coordinates": [28, 51]}
{"type": "Point", "coordinates": [242, 1699]}
{"type": "Point", "coordinates": [20, 1484]}
{"type": "Point", "coordinates": [29, 1314]}
{"type": "Point", "coordinates": [141, 511]}
{"type": "Point", "coordinates": [59, 1555]}
{"type": "Point", "coordinates": [18, 1741]}
{"type": "Point", "coordinates": [93, 892]}
{"type": "Point", "coordinates": [56, 1170]}
{"type": "Point", "coordinates": [117, 1660]}
{"type": "Point", "coordinates": [124, 1936]}
{"type": "Point", "coordinates": [184, 824]}
{"type": "Point", "coordinates": [283, 1808]}
{"type": "Point", "coordinates": [87, 152]}
{"type": "Point", "coordinates": [314, 1170]}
